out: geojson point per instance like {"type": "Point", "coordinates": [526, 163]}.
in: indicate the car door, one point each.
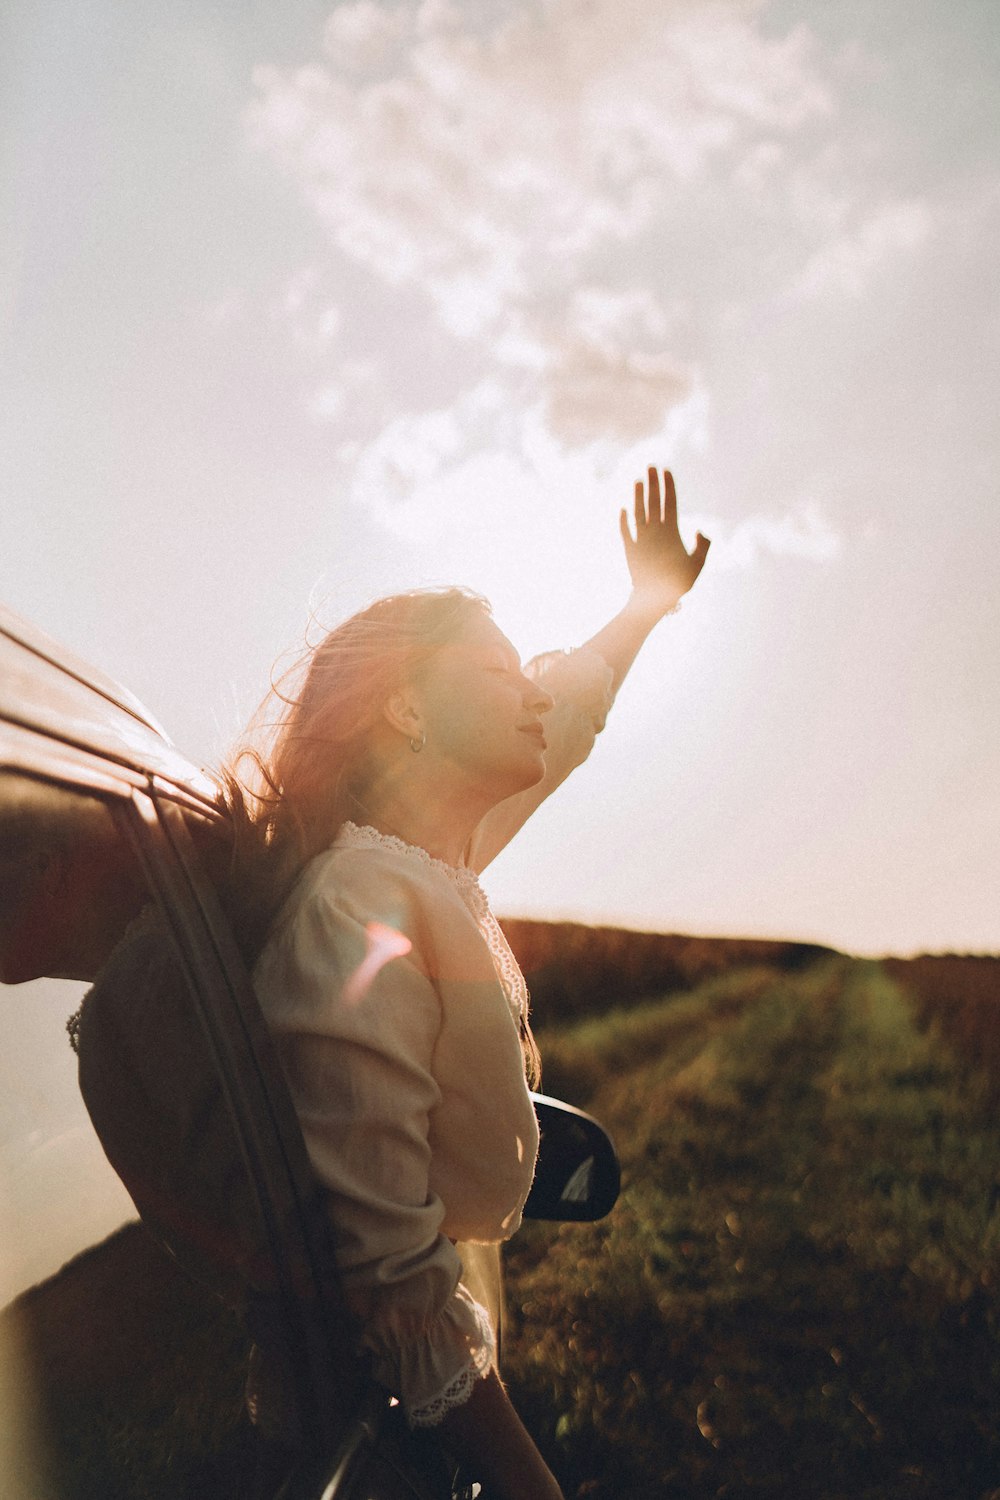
{"type": "Point", "coordinates": [100, 820]}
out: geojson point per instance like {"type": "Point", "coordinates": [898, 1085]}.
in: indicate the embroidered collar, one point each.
{"type": "Point", "coordinates": [363, 836]}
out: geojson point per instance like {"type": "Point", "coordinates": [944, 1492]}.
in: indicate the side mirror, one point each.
{"type": "Point", "coordinates": [577, 1177]}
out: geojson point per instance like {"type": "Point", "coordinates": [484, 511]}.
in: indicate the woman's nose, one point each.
{"type": "Point", "coordinates": [536, 698]}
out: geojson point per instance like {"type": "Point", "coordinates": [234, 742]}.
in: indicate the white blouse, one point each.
{"type": "Point", "coordinates": [395, 1002]}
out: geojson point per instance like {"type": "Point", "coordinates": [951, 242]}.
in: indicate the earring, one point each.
{"type": "Point", "coordinates": [416, 745]}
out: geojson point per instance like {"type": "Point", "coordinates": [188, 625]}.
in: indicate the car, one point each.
{"type": "Point", "coordinates": [111, 847]}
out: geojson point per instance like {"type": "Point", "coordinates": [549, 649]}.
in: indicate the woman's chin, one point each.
{"type": "Point", "coordinates": [533, 773]}
{"type": "Point", "coordinates": [518, 779]}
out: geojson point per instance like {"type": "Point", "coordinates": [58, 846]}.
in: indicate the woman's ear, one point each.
{"type": "Point", "coordinates": [403, 713]}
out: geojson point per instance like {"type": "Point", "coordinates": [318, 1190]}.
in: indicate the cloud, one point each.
{"type": "Point", "coordinates": [803, 531]}
{"type": "Point", "coordinates": [496, 160]}
{"type": "Point", "coordinates": [308, 309]}
{"type": "Point", "coordinates": [438, 150]}
{"type": "Point", "coordinates": [402, 475]}
{"type": "Point", "coordinates": [326, 403]}
{"type": "Point", "coordinates": [363, 37]}
{"type": "Point", "coordinates": [399, 475]}
{"type": "Point", "coordinates": [592, 392]}
{"type": "Point", "coordinates": [601, 370]}
{"type": "Point", "coordinates": [849, 262]}
{"type": "Point", "coordinates": [355, 377]}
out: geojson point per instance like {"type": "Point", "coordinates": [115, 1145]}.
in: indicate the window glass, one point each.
{"type": "Point", "coordinates": [57, 1192]}
{"type": "Point", "coordinates": [67, 888]}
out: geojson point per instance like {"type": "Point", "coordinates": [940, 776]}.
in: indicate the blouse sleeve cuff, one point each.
{"type": "Point", "coordinates": [480, 1361]}
{"type": "Point", "coordinates": [434, 1369]}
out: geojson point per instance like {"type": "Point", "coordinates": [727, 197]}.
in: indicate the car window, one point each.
{"type": "Point", "coordinates": [66, 890]}
{"type": "Point", "coordinates": [58, 1193]}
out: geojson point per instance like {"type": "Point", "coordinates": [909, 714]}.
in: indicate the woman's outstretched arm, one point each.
{"type": "Point", "coordinates": [583, 683]}
{"type": "Point", "coordinates": [661, 568]}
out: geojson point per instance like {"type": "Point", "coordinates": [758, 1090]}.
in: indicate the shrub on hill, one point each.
{"type": "Point", "coordinates": [573, 970]}
{"type": "Point", "coordinates": [957, 997]}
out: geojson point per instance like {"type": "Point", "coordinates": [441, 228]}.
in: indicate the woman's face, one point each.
{"type": "Point", "coordinates": [481, 715]}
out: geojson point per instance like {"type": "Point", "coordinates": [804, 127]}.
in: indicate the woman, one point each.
{"type": "Point", "coordinates": [413, 750]}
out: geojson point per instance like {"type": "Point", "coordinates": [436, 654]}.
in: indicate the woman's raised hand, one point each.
{"type": "Point", "coordinates": [661, 567]}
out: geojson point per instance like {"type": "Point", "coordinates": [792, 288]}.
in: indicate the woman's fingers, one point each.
{"type": "Point", "coordinates": [669, 500]}
{"type": "Point", "coordinates": [655, 502]}
{"type": "Point", "coordinates": [623, 528]}
{"type": "Point", "coordinates": [660, 508]}
{"type": "Point", "coordinates": [701, 546]}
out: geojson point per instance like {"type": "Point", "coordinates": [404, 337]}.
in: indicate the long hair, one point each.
{"type": "Point", "coordinates": [293, 779]}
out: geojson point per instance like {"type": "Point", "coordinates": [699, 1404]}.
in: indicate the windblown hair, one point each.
{"type": "Point", "coordinates": [302, 765]}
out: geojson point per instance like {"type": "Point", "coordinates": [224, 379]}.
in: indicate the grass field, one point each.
{"type": "Point", "coordinates": [796, 1296]}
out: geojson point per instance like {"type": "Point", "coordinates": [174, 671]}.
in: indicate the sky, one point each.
{"type": "Point", "coordinates": [305, 303]}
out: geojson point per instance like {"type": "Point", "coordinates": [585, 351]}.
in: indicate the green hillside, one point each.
{"type": "Point", "coordinates": [796, 1295]}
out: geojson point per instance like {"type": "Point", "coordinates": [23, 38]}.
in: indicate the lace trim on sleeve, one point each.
{"type": "Point", "coordinates": [458, 1390]}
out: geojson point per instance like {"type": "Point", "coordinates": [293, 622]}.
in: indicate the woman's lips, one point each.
{"type": "Point", "coordinates": [536, 731]}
